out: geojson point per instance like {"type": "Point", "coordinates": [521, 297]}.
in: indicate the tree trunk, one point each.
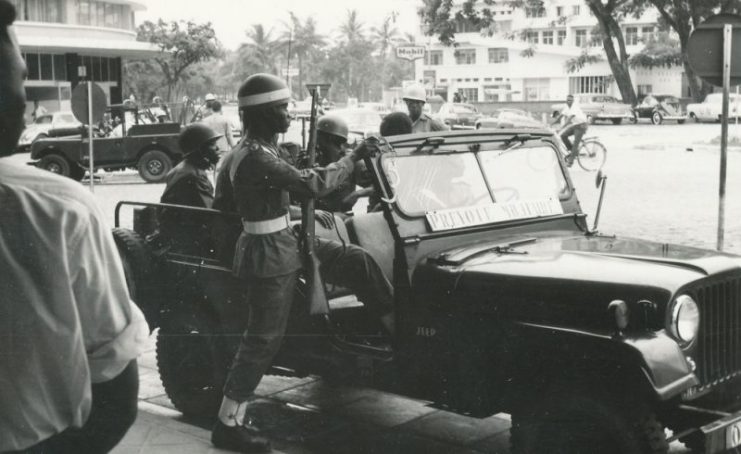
{"type": "Point", "coordinates": [618, 64]}
{"type": "Point", "coordinates": [300, 75]}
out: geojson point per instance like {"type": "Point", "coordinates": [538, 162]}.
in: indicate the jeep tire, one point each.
{"type": "Point", "coordinates": [585, 421]}
{"type": "Point", "coordinates": [154, 165]}
{"type": "Point", "coordinates": [193, 361]}
{"type": "Point", "coordinates": [56, 163]}
{"type": "Point", "coordinates": [142, 276]}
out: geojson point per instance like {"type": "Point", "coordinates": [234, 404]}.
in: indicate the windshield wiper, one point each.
{"type": "Point", "coordinates": [433, 142]}
{"type": "Point", "coordinates": [516, 141]}
{"type": "Point", "coordinates": [500, 249]}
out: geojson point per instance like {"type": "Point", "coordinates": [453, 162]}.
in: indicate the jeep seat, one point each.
{"type": "Point", "coordinates": [371, 232]}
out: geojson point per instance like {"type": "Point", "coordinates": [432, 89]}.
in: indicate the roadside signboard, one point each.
{"type": "Point", "coordinates": [710, 55]}
{"type": "Point", "coordinates": [289, 72]}
{"type": "Point", "coordinates": [88, 106]}
{"type": "Point", "coordinates": [410, 53]}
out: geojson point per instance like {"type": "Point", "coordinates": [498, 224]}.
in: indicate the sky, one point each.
{"type": "Point", "coordinates": [232, 17]}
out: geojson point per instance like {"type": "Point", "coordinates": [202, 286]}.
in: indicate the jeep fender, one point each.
{"type": "Point", "coordinates": [649, 361]}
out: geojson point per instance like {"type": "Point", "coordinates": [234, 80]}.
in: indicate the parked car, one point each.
{"type": "Point", "coordinates": [377, 106]}
{"type": "Point", "coordinates": [39, 129]}
{"type": "Point", "coordinates": [508, 118]}
{"type": "Point", "coordinates": [711, 108]}
{"type": "Point", "coordinates": [658, 108]}
{"type": "Point", "coordinates": [507, 300]}
{"type": "Point", "coordinates": [152, 148]}
{"type": "Point", "coordinates": [458, 115]}
{"type": "Point", "coordinates": [599, 107]}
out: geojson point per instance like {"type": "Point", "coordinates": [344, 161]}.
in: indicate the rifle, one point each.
{"type": "Point", "coordinates": [317, 298]}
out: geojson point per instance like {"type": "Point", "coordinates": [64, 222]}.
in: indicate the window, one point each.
{"type": "Point", "coordinates": [83, 12]}
{"type": "Point", "coordinates": [647, 34]}
{"type": "Point", "coordinates": [434, 57]}
{"type": "Point", "coordinates": [576, 10]}
{"type": "Point", "coordinates": [113, 16]}
{"type": "Point", "coordinates": [580, 39]}
{"type": "Point", "coordinates": [561, 37]}
{"type": "Point", "coordinates": [536, 89]}
{"type": "Point", "coordinates": [465, 26]}
{"type": "Point", "coordinates": [548, 37]}
{"type": "Point", "coordinates": [589, 84]}
{"type": "Point", "coordinates": [465, 57]}
{"type": "Point", "coordinates": [498, 55]}
{"type": "Point", "coordinates": [113, 68]}
{"type": "Point", "coordinates": [644, 89]}
{"type": "Point", "coordinates": [60, 67]}
{"type": "Point", "coordinates": [45, 63]}
{"type": "Point", "coordinates": [38, 10]}
{"type": "Point", "coordinates": [559, 11]}
{"type": "Point", "coordinates": [532, 37]}
{"type": "Point", "coordinates": [631, 36]}
{"type": "Point", "coordinates": [535, 11]}
{"type": "Point", "coordinates": [469, 94]}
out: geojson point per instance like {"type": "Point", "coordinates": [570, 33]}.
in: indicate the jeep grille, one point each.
{"type": "Point", "coordinates": [719, 344]}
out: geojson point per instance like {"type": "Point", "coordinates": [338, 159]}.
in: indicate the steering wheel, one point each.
{"type": "Point", "coordinates": [510, 191]}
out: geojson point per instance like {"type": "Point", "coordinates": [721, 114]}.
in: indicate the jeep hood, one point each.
{"type": "Point", "coordinates": [564, 271]}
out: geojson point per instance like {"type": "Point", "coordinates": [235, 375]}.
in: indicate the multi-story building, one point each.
{"type": "Point", "coordinates": [526, 58]}
{"type": "Point", "coordinates": [57, 37]}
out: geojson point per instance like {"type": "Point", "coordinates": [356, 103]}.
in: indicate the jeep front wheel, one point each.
{"type": "Point", "coordinates": [55, 163]}
{"type": "Point", "coordinates": [192, 361]}
{"type": "Point", "coordinates": [586, 422]}
{"type": "Point", "coordinates": [154, 165]}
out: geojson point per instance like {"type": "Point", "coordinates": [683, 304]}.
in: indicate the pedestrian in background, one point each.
{"type": "Point", "coordinates": [218, 122]}
{"type": "Point", "coordinates": [38, 111]}
{"type": "Point", "coordinates": [69, 334]}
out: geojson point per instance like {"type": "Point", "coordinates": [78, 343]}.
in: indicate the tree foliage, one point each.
{"type": "Point", "coordinates": [183, 44]}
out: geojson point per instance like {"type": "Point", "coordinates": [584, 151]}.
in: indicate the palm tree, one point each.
{"type": "Point", "coordinates": [260, 51]}
{"type": "Point", "coordinates": [304, 42]}
{"type": "Point", "coordinates": [386, 35]}
{"type": "Point", "coordinates": [351, 30]}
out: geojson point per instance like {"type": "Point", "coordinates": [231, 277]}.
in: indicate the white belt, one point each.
{"type": "Point", "coordinates": [268, 226]}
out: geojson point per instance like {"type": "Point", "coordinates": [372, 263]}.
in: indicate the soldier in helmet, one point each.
{"type": "Point", "coordinates": [415, 98]}
{"type": "Point", "coordinates": [267, 256]}
{"type": "Point", "coordinates": [331, 140]}
{"type": "Point", "coordinates": [188, 184]}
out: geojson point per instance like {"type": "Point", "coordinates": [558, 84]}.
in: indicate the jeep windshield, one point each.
{"type": "Point", "coordinates": [506, 184]}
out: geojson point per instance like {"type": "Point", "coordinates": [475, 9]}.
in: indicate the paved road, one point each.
{"type": "Point", "coordinates": [662, 185]}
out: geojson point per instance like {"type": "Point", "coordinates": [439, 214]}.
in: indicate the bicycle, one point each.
{"type": "Point", "coordinates": [591, 156]}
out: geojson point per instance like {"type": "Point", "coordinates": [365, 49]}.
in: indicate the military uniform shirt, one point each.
{"type": "Point", "coordinates": [261, 183]}
{"type": "Point", "coordinates": [426, 123]}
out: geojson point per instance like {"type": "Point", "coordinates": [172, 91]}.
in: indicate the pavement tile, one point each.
{"type": "Point", "coordinates": [498, 444]}
{"type": "Point", "coordinates": [320, 395]}
{"type": "Point", "coordinates": [456, 429]}
{"type": "Point", "coordinates": [162, 400]}
{"type": "Point", "coordinates": [386, 410]}
{"type": "Point", "coordinates": [149, 384]}
{"type": "Point", "coordinates": [273, 384]}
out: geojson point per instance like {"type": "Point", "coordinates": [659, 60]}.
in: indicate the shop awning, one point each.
{"type": "Point", "coordinates": [98, 47]}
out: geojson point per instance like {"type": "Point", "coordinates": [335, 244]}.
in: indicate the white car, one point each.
{"type": "Point", "coordinates": [39, 128]}
{"type": "Point", "coordinates": [712, 108]}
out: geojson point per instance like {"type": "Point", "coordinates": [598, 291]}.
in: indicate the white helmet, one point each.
{"type": "Point", "coordinates": [415, 92]}
{"type": "Point", "coordinates": [210, 97]}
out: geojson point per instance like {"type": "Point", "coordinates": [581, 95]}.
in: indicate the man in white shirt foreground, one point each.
{"type": "Point", "coordinates": [69, 334]}
{"type": "Point", "coordinates": [575, 125]}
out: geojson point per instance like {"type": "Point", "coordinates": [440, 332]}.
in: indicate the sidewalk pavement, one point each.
{"type": "Point", "coordinates": [308, 416]}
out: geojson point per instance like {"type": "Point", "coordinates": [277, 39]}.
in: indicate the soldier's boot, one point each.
{"type": "Point", "coordinates": [230, 432]}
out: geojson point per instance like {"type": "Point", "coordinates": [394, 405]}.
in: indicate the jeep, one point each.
{"type": "Point", "coordinates": [506, 300]}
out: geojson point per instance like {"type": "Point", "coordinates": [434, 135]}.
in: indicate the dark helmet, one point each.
{"type": "Point", "coordinates": [195, 136]}
{"type": "Point", "coordinates": [263, 90]}
{"type": "Point", "coordinates": [333, 124]}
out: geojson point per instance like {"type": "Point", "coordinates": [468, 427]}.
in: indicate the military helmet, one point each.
{"type": "Point", "coordinates": [333, 124]}
{"type": "Point", "coordinates": [263, 90]}
{"type": "Point", "coordinates": [415, 92]}
{"type": "Point", "coordinates": [194, 136]}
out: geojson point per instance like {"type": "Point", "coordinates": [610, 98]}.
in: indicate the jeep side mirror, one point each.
{"type": "Point", "coordinates": [598, 179]}
{"type": "Point", "coordinates": [601, 182]}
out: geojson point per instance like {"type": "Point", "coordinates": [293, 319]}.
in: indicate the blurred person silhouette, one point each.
{"type": "Point", "coordinates": [218, 122]}
{"type": "Point", "coordinates": [70, 334]}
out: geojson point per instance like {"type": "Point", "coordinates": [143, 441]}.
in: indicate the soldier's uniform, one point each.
{"type": "Point", "coordinates": [267, 254]}
{"type": "Point", "coordinates": [426, 123]}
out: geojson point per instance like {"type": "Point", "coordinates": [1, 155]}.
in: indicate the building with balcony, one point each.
{"type": "Point", "coordinates": [526, 58]}
{"type": "Point", "coordinates": [57, 37]}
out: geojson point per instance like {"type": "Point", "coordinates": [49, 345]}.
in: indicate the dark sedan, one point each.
{"type": "Point", "coordinates": [658, 108]}
{"type": "Point", "coordinates": [458, 115]}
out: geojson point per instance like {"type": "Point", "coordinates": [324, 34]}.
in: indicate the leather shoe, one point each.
{"type": "Point", "coordinates": [238, 438]}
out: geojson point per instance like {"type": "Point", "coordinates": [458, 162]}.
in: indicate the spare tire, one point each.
{"type": "Point", "coordinates": [141, 273]}
{"type": "Point", "coordinates": [154, 165]}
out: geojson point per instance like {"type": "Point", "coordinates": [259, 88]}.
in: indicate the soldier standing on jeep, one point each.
{"type": "Point", "coordinates": [267, 251]}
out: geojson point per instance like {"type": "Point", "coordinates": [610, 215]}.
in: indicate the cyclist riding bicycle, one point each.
{"type": "Point", "coordinates": [575, 125]}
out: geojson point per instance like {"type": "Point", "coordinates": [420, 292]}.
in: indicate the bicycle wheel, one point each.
{"type": "Point", "coordinates": [592, 155]}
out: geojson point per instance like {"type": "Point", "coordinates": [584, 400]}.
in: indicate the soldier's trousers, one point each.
{"type": "Point", "coordinates": [270, 302]}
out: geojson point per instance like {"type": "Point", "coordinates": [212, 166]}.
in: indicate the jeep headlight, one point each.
{"type": "Point", "coordinates": [684, 321]}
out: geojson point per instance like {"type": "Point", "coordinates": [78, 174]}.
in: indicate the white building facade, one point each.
{"type": "Point", "coordinates": [57, 37]}
{"type": "Point", "coordinates": [526, 59]}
